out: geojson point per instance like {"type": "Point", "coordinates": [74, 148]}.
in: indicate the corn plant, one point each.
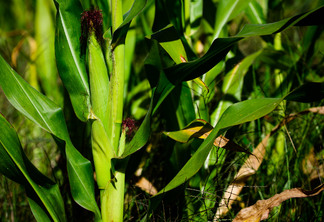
{"type": "Point", "coordinates": [94, 46]}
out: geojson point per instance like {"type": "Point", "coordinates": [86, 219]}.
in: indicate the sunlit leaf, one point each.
{"type": "Point", "coordinates": [309, 18]}
{"type": "Point", "coordinates": [232, 85]}
{"type": "Point", "coordinates": [226, 10]}
{"type": "Point", "coordinates": [255, 13]}
{"type": "Point", "coordinates": [201, 129]}
{"type": "Point", "coordinates": [49, 116]}
{"type": "Point", "coordinates": [193, 69]}
{"type": "Point", "coordinates": [121, 31]}
{"type": "Point", "coordinates": [170, 41]}
{"type": "Point", "coordinates": [69, 61]}
{"type": "Point", "coordinates": [235, 114]}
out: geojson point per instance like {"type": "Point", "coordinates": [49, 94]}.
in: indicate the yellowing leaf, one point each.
{"type": "Point", "coordinates": [201, 129]}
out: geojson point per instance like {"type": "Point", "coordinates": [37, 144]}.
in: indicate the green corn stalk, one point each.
{"type": "Point", "coordinates": [107, 109]}
{"type": "Point", "coordinates": [101, 145]}
{"type": "Point", "coordinates": [107, 104]}
{"type": "Point", "coordinates": [115, 189]}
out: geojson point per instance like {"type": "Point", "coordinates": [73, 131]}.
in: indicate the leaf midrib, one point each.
{"type": "Point", "coordinates": [73, 53]}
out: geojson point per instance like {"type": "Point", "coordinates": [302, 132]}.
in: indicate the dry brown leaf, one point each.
{"type": "Point", "coordinates": [252, 164]}
{"type": "Point", "coordinates": [262, 208]}
{"type": "Point", "coordinates": [317, 173]}
{"type": "Point", "coordinates": [312, 167]}
{"type": "Point", "coordinates": [227, 144]}
{"type": "Point", "coordinates": [146, 186]}
{"type": "Point", "coordinates": [319, 110]}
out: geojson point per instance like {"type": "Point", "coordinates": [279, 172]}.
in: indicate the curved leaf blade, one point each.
{"type": "Point", "coordinates": [44, 193]}
{"type": "Point", "coordinates": [121, 31]}
{"type": "Point", "coordinates": [170, 41]}
{"type": "Point", "coordinates": [49, 116]}
{"type": "Point", "coordinates": [232, 85]}
{"type": "Point", "coordinates": [201, 129]}
{"type": "Point", "coordinates": [226, 10]}
{"type": "Point", "coordinates": [172, 76]}
{"type": "Point", "coordinates": [196, 129]}
{"type": "Point", "coordinates": [234, 115]}
{"type": "Point", "coordinates": [310, 18]}
{"type": "Point", "coordinates": [68, 56]}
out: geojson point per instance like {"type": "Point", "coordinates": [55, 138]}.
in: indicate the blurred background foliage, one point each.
{"type": "Point", "coordinates": [294, 156]}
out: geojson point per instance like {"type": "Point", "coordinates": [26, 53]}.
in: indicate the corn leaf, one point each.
{"type": "Point", "coordinates": [70, 65]}
{"type": "Point", "coordinates": [121, 31]}
{"type": "Point", "coordinates": [49, 116]}
{"type": "Point", "coordinates": [226, 10]}
{"type": "Point", "coordinates": [201, 129]}
{"type": "Point", "coordinates": [170, 41]}
{"type": "Point", "coordinates": [41, 191]}
{"type": "Point", "coordinates": [310, 18]}
{"type": "Point", "coordinates": [235, 114]}
{"type": "Point", "coordinates": [232, 85]}
{"type": "Point", "coordinates": [172, 76]}
{"type": "Point", "coordinates": [254, 12]}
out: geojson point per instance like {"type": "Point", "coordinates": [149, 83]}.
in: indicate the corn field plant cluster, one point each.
{"type": "Point", "coordinates": [143, 110]}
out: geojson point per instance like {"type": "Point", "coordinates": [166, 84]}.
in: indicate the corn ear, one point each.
{"type": "Point", "coordinates": [99, 81]}
{"type": "Point", "coordinates": [99, 88]}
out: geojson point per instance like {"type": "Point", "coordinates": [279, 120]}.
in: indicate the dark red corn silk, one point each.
{"type": "Point", "coordinates": [129, 125]}
{"type": "Point", "coordinates": [91, 21]}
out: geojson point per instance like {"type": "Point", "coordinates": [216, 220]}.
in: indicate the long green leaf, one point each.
{"type": "Point", "coordinates": [190, 70]}
{"type": "Point", "coordinates": [49, 116]}
{"type": "Point", "coordinates": [45, 37]}
{"type": "Point", "coordinates": [70, 65]}
{"type": "Point", "coordinates": [234, 115]}
{"type": "Point", "coordinates": [232, 85]}
{"type": "Point", "coordinates": [170, 41]}
{"type": "Point", "coordinates": [226, 10]}
{"type": "Point", "coordinates": [254, 12]}
{"type": "Point", "coordinates": [310, 18]}
{"type": "Point", "coordinates": [121, 31]}
{"type": "Point", "coordinates": [44, 194]}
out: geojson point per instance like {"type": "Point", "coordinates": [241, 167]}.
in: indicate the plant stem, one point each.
{"type": "Point", "coordinates": [117, 79]}
{"type": "Point", "coordinates": [113, 196]}
{"type": "Point", "coordinates": [186, 22]}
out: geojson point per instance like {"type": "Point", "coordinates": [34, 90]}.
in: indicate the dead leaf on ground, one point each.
{"type": "Point", "coordinates": [262, 208]}
{"type": "Point", "coordinates": [252, 164]}
{"type": "Point", "coordinates": [146, 186]}
{"type": "Point", "coordinates": [312, 167]}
